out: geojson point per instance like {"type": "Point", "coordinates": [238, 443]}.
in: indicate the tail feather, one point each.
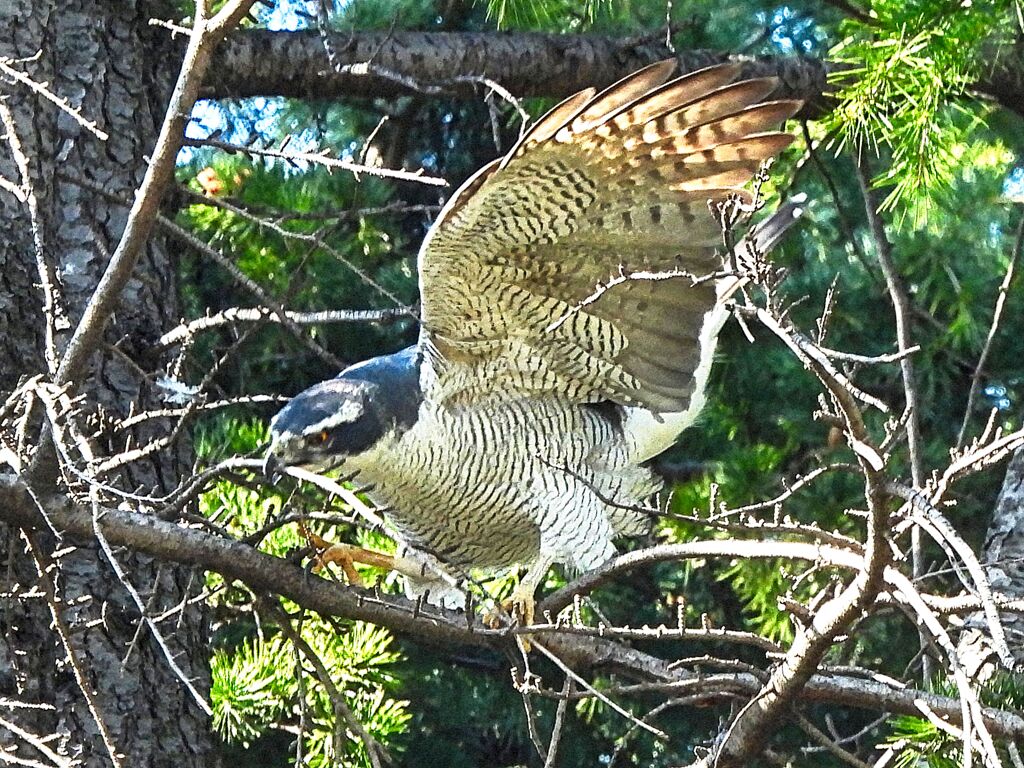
{"type": "Point", "coordinates": [765, 236]}
{"type": "Point", "coordinates": [769, 232]}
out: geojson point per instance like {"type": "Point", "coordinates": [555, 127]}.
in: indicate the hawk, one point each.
{"type": "Point", "coordinates": [518, 429]}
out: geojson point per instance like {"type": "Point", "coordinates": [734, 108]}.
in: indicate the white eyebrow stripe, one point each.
{"type": "Point", "coordinates": [346, 414]}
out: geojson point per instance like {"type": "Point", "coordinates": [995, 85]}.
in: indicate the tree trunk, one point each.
{"type": "Point", "coordinates": [104, 58]}
{"type": "Point", "coordinates": [1003, 558]}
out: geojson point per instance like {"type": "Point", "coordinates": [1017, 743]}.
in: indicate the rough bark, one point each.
{"type": "Point", "coordinates": [1003, 557]}
{"type": "Point", "coordinates": [104, 57]}
{"type": "Point", "coordinates": [262, 63]}
{"type": "Point", "coordinates": [450, 629]}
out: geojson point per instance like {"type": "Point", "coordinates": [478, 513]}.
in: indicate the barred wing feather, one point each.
{"type": "Point", "coordinates": [603, 184]}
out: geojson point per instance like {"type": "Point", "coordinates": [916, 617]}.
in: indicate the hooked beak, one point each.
{"type": "Point", "coordinates": [271, 466]}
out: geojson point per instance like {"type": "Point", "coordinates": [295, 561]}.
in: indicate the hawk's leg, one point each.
{"type": "Point", "coordinates": [346, 555]}
{"type": "Point", "coordinates": [523, 600]}
{"type": "Point", "coordinates": [522, 603]}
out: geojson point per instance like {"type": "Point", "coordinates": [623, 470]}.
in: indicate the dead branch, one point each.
{"type": "Point", "coordinates": [319, 158]}
{"type": "Point", "coordinates": [185, 331]}
{"type": "Point", "coordinates": [266, 574]}
{"type": "Point", "coordinates": [993, 329]}
{"type": "Point", "coordinates": [53, 308]}
{"type": "Point", "coordinates": [64, 632]}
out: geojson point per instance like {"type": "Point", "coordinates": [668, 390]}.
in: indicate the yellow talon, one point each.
{"type": "Point", "coordinates": [520, 606]}
{"type": "Point", "coordinates": [346, 555]}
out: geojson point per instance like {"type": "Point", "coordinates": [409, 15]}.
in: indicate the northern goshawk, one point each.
{"type": "Point", "coordinates": [517, 431]}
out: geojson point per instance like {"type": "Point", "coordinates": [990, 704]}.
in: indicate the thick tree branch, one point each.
{"type": "Point", "coordinates": [262, 63]}
{"type": "Point", "coordinates": [266, 574]}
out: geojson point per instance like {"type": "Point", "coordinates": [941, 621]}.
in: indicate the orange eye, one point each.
{"type": "Point", "coordinates": [323, 436]}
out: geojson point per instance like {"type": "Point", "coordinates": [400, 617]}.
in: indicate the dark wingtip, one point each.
{"type": "Point", "coordinates": [769, 232]}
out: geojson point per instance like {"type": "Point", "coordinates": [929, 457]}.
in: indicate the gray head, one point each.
{"type": "Point", "coordinates": [347, 416]}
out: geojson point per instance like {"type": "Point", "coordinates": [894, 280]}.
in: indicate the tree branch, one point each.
{"type": "Point", "coordinates": [266, 574]}
{"type": "Point", "coordinates": [263, 63]}
{"type": "Point", "coordinates": [186, 331]}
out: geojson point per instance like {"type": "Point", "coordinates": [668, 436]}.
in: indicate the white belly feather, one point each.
{"type": "Point", "coordinates": [653, 433]}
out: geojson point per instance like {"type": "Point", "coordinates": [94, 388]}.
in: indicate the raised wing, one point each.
{"type": "Point", "coordinates": [601, 186]}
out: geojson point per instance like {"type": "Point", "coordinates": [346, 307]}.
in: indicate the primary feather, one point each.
{"type": "Point", "coordinates": [617, 182]}
{"type": "Point", "coordinates": [517, 430]}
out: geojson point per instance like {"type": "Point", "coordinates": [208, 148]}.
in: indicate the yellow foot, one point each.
{"type": "Point", "coordinates": [346, 555]}
{"type": "Point", "coordinates": [523, 604]}
{"type": "Point", "coordinates": [520, 606]}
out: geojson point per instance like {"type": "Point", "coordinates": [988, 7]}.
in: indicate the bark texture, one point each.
{"type": "Point", "coordinates": [262, 63]}
{"type": "Point", "coordinates": [1003, 558]}
{"type": "Point", "coordinates": [103, 57]}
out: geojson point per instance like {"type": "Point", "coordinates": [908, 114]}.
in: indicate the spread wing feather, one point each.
{"type": "Point", "coordinates": [601, 186]}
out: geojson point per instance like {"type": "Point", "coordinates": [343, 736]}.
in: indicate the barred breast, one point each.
{"type": "Point", "coordinates": [498, 484]}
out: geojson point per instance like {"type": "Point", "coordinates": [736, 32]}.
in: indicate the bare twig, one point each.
{"type": "Point", "coordinates": [993, 329]}
{"type": "Point", "coordinates": [53, 311]}
{"type": "Point", "coordinates": [845, 226]}
{"type": "Point", "coordinates": [974, 459]}
{"type": "Point", "coordinates": [556, 729]}
{"type": "Point", "coordinates": [822, 739]}
{"type": "Point", "coordinates": [15, 189]}
{"type": "Point", "coordinates": [972, 722]}
{"type": "Point", "coordinates": [214, 405]}
{"type": "Point", "coordinates": [745, 735]}
{"type": "Point", "coordinates": [935, 523]}
{"type": "Point", "coordinates": [43, 89]}
{"type": "Point", "coordinates": [319, 158]}
{"type": "Point", "coordinates": [315, 239]}
{"type": "Point", "coordinates": [531, 720]}
{"type": "Point", "coordinates": [850, 357]}
{"type": "Point", "coordinates": [253, 287]}
{"type": "Point", "coordinates": [108, 552]}
{"type": "Point", "coordinates": [37, 742]}
{"type": "Point", "coordinates": [809, 352]}
{"type": "Point", "coordinates": [624, 276]}
{"type": "Point", "coordinates": [186, 331]}
{"type": "Point", "coordinates": [598, 694]}
{"type": "Point", "coordinates": [374, 749]}
{"type": "Point", "coordinates": [81, 676]}
{"type": "Point", "coordinates": [589, 581]}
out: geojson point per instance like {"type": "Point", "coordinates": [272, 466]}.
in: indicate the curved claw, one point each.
{"type": "Point", "coordinates": [520, 606]}
{"type": "Point", "coordinates": [346, 555]}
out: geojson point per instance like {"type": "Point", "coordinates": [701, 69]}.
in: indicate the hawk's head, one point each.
{"type": "Point", "coordinates": [326, 425]}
